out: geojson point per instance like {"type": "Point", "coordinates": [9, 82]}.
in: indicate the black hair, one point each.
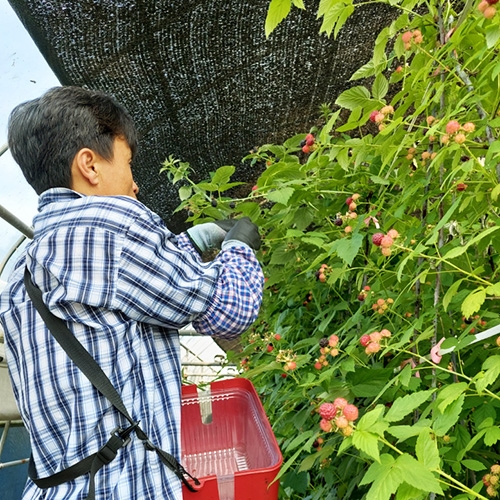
{"type": "Point", "coordinates": [45, 134]}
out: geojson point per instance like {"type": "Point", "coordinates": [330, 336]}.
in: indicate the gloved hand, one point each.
{"type": "Point", "coordinates": [209, 234]}
{"type": "Point", "coordinates": [244, 231]}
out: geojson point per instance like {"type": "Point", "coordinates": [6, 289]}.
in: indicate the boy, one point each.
{"type": "Point", "coordinates": [123, 284]}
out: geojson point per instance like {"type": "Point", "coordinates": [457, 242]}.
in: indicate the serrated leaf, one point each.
{"type": "Point", "coordinates": [281, 196]}
{"type": "Point", "coordinates": [427, 451]}
{"type": "Point", "coordinates": [405, 405]}
{"type": "Point", "coordinates": [473, 302]}
{"type": "Point", "coordinates": [450, 393]}
{"type": "Point", "coordinates": [277, 11]}
{"type": "Point", "coordinates": [495, 191]}
{"type": "Point", "coordinates": [492, 436]}
{"type": "Point", "coordinates": [493, 289]}
{"type": "Point", "coordinates": [348, 248]}
{"type": "Point", "coordinates": [447, 419]}
{"type": "Point", "coordinates": [417, 475]}
{"type": "Point", "coordinates": [223, 174]}
{"type": "Point", "coordinates": [353, 97]}
{"type": "Point", "coordinates": [380, 87]}
{"type": "Point", "coordinates": [367, 443]}
{"type": "Point", "coordinates": [403, 432]}
{"type": "Point", "coordinates": [365, 71]}
{"type": "Point", "coordinates": [491, 368]}
{"type": "Point", "coordinates": [386, 478]}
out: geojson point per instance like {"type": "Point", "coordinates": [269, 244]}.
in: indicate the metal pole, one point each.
{"type": "Point", "coordinates": [3, 149]}
{"type": "Point", "coordinates": [17, 223]}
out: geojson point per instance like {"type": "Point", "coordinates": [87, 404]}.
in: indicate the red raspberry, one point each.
{"type": "Point", "coordinates": [325, 425]}
{"type": "Point", "coordinates": [306, 149]}
{"type": "Point", "coordinates": [365, 340]}
{"type": "Point", "coordinates": [377, 238]}
{"type": "Point", "coordinates": [309, 139]}
{"type": "Point", "coordinates": [328, 411]}
{"type": "Point", "coordinates": [373, 114]}
{"type": "Point", "coordinates": [348, 201]}
{"type": "Point", "coordinates": [350, 412]}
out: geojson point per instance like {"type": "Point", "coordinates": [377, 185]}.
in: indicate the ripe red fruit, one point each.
{"type": "Point", "coordinates": [373, 114]}
{"type": "Point", "coordinates": [365, 340]}
{"type": "Point", "coordinates": [377, 238]}
{"type": "Point", "coordinates": [348, 201]}
{"type": "Point", "coordinates": [309, 139]}
{"type": "Point", "coordinates": [306, 149]}
{"type": "Point", "coordinates": [277, 336]}
{"type": "Point", "coordinates": [270, 347]}
{"type": "Point", "coordinates": [461, 186]}
{"type": "Point", "coordinates": [328, 411]}
{"type": "Point", "coordinates": [350, 412]}
{"type": "Point", "coordinates": [452, 126]}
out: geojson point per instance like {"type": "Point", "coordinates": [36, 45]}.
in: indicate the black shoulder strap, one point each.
{"type": "Point", "coordinates": [119, 437]}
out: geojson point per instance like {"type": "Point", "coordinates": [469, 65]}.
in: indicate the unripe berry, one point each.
{"type": "Point", "coordinates": [452, 126]}
{"type": "Point", "coordinates": [348, 229]}
{"type": "Point", "coordinates": [352, 206]}
{"type": "Point", "coordinates": [407, 36]}
{"type": "Point", "coordinates": [418, 39]}
{"type": "Point", "coordinates": [347, 431]}
{"type": "Point", "coordinates": [495, 469]}
{"type": "Point", "coordinates": [375, 336]}
{"type": "Point", "coordinates": [387, 110]}
{"type": "Point", "coordinates": [386, 252]}
{"type": "Point", "coordinates": [341, 422]}
{"type": "Point", "coordinates": [489, 12]}
{"type": "Point", "coordinates": [380, 117]}
{"type": "Point", "coordinates": [385, 333]}
{"type": "Point", "coordinates": [318, 365]}
{"type": "Point", "coordinates": [340, 402]}
{"type": "Point", "coordinates": [355, 196]}
{"type": "Point", "coordinates": [333, 340]}
{"type": "Point", "coordinates": [482, 5]}
{"type": "Point", "coordinates": [372, 348]}
{"type": "Point", "coordinates": [468, 127]}
{"type": "Point", "coordinates": [393, 233]}
{"type": "Point", "coordinates": [374, 113]}
{"type": "Point", "coordinates": [386, 241]}
{"type": "Point", "coordinates": [498, 341]}
{"type": "Point", "coordinates": [350, 412]}
{"type": "Point", "coordinates": [460, 138]}
{"type": "Point", "coordinates": [291, 365]}
{"type": "Point", "coordinates": [430, 120]}
{"type": "Point", "coordinates": [325, 425]}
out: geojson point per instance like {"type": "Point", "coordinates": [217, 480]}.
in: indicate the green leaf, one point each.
{"type": "Point", "coordinates": [223, 174]}
{"type": "Point", "coordinates": [450, 393]}
{"type": "Point", "coordinates": [474, 465]}
{"type": "Point", "coordinates": [491, 368]}
{"type": "Point", "coordinates": [417, 475]}
{"type": "Point", "coordinates": [492, 435]}
{"type": "Point", "coordinates": [405, 405]}
{"type": "Point", "coordinates": [493, 289]}
{"type": "Point", "coordinates": [380, 87]}
{"type": "Point", "coordinates": [353, 97]}
{"type": "Point", "coordinates": [348, 248]}
{"type": "Point", "coordinates": [185, 192]}
{"type": "Point", "coordinates": [403, 432]}
{"type": "Point", "coordinates": [447, 419]}
{"type": "Point", "coordinates": [385, 476]}
{"type": "Point", "coordinates": [450, 293]}
{"type": "Point", "coordinates": [492, 35]}
{"type": "Point", "coordinates": [367, 443]}
{"type": "Point", "coordinates": [278, 10]}
{"type": "Point", "coordinates": [427, 451]}
{"type": "Point", "coordinates": [455, 252]}
{"type": "Point", "coordinates": [473, 302]}
{"type": "Point", "coordinates": [282, 195]}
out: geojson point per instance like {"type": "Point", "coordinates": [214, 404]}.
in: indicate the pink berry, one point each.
{"type": "Point", "coordinates": [386, 241]}
{"type": "Point", "coordinates": [318, 365]}
{"type": "Point", "coordinates": [309, 139]}
{"type": "Point", "coordinates": [333, 340]}
{"type": "Point", "coordinates": [393, 233]}
{"type": "Point", "coordinates": [306, 149]}
{"type": "Point", "coordinates": [350, 412]}
{"type": "Point", "coordinates": [325, 425]}
{"type": "Point", "coordinates": [452, 126]}
{"type": "Point", "coordinates": [328, 411]}
{"type": "Point", "coordinates": [489, 12]}
{"type": "Point", "coordinates": [373, 114]}
{"type": "Point", "coordinates": [460, 138]}
{"type": "Point", "coordinates": [341, 422]}
{"type": "Point", "coordinates": [377, 239]}
{"type": "Point", "coordinates": [291, 365]}
{"type": "Point", "coordinates": [365, 340]}
{"type": "Point", "coordinates": [469, 126]}
{"type": "Point", "coordinates": [385, 333]}
{"type": "Point", "coordinates": [372, 348]}
{"type": "Point", "coordinates": [348, 201]}
{"type": "Point", "coordinates": [407, 36]}
{"type": "Point", "coordinates": [375, 337]}
{"type": "Point", "coordinates": [340, 402]}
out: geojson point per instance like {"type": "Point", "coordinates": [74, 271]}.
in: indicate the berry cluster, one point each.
{"type": "Point", "coordinates": [308, 299]}
{"type": "Point", "coordinates": [351, 214]}
{"type": "Point", "coordinates": [487, 7]}
{"type": "Point", "coordinates": [308, 144]}
{"type": "Point", "coordinates": [372, 341]}
{"type": "Point", "coordinates": [410, 37]}
{"type": "Point", "coordinates": [385, 241]}
{"type": "Point", "coordinates": [323, 272]}
{"type": "Point", "coordinates": [457, 132]}
{"type": "Point", "coordinates": [382, 305]}
{"type": "Point", "coordinates": [328, 346]}
{"type": "Point", "coordinates": [287, 357]}
{"type": "Point", "coordinates": [338, 416]}
{"type": "Point", "coordinates": [380, 116]}
{"type": "Point", "coordinates": [468, 321]}
{"type": "Point", "coordinates": [364, 293]}
{"type": "Point", "coordinates": [492, 480]}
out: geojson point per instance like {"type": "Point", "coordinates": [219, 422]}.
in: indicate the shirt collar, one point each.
{"type": "Point", "coordinates": [57, 195]}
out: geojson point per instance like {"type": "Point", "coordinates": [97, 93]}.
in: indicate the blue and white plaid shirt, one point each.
{"type": "Point", "coordinates": [124, 284]}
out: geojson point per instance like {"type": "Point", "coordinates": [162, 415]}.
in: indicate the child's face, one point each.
{"type": "Point", "coordinates": [116, 175]}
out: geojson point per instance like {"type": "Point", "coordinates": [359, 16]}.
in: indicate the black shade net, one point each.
{"type": "Point", "coordinates": [199, 77]}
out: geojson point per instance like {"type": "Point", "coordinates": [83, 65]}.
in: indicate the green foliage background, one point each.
{"type": "Point", "coordinates": [426, 429]}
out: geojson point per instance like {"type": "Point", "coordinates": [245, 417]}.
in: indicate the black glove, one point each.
{"type": "Point", "coordinates": [244, 231]}
{"type": "Point", "coordinates": [209, 234]}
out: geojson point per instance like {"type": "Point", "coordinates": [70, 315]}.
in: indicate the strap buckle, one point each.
{"type": "Point", "coordinates": [124, 434]}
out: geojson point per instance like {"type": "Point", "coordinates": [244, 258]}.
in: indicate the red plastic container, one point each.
{"type": "Point", "coordinates": [228, 444]}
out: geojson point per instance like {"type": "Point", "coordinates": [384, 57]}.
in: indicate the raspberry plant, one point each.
{"type": "Point", "coordinates": [387, 222]}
